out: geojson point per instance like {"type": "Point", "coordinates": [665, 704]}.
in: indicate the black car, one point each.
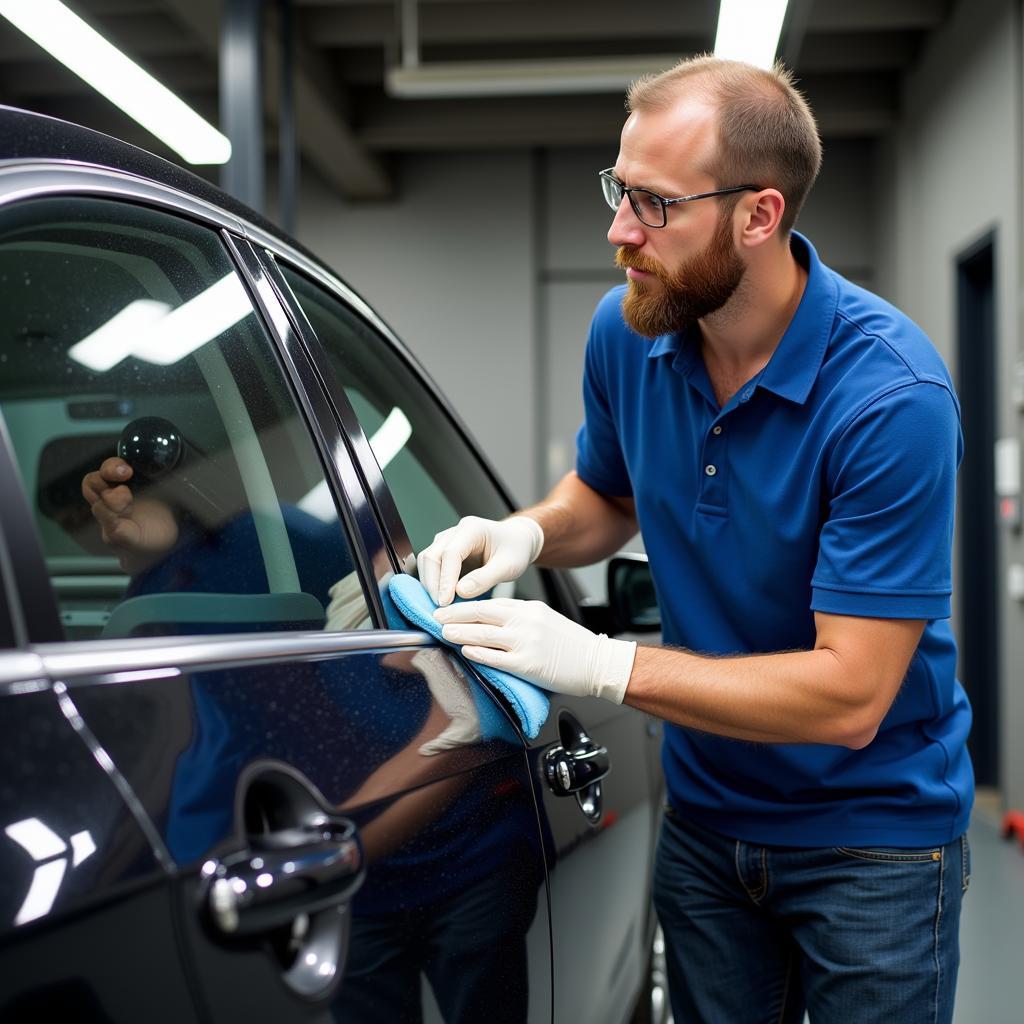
{"type": "Point", "coordinates": [234, 784]}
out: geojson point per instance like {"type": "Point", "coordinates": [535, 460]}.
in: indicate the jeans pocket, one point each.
{"type": "Point", "coordinates": [891, 854]}
{"type": "Point", "coordinates": [965, 864]}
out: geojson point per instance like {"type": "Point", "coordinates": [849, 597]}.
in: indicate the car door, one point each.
{"type": "Point", "coordinates": [85, 932]}
{"type": "Point", "coordinates": [600, 823]}
{"type": "Point", "coordinates": [343, 819]}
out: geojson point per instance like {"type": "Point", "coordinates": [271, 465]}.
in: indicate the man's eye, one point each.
{"type": "Point", "coordinates": [649, 203]}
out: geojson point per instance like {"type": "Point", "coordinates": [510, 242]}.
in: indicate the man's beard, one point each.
{"type": "Point", "coordinates": [702, 285]}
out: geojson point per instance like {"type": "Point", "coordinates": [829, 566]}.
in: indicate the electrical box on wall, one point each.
{"type": "Point", "coordinates": [1017, 394]}
{"type": "Point", "coordinates": [1007, 459]}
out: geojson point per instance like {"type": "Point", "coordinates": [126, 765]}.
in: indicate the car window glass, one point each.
{"type": "Point", "coordinates": [433, 474]}
{"type": "Point", "coordinates": [127, 326]}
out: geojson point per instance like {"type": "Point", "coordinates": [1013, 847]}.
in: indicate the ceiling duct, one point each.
{"type": "Point", "coordinates": [446, 79]}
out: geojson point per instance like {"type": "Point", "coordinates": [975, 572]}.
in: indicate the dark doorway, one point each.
{"type": "Point", "coordinates": [978, 586]}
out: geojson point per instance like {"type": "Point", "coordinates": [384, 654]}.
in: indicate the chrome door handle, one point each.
{"type": "Point", "coordinates": [284, 874]}
{"type": "Point", "coordinates": [570, 771]}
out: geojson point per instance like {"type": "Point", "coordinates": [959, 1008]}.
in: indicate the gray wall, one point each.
{"type": "Point", "coordinates": [951, 174]}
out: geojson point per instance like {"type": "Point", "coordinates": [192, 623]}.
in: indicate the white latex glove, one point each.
{"type": "Point", "coordinates": [529, 639]}
{"type": "Point", "coordinates": [456, 701]}
{"type": "Point", "coordinates": [505, 549]}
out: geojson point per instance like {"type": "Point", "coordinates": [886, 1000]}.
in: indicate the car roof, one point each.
{"type": "Point", "coordinates": [25, 135]}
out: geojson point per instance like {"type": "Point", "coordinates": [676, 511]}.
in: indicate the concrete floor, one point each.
{"type": "Point", "coordinates": [991, 987]}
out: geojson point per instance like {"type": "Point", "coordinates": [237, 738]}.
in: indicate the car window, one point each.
{"type": "Point", "coordinates": [434, 476]}
{"type": "Point", "coordinates": [128, 330]}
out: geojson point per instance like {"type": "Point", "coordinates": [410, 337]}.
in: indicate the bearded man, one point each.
{"type": "Point", "coordinates": [787, 444]}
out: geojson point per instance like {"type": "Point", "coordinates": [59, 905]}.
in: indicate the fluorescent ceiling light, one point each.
{"type": "Point", "coordinates": [156, 333]}
{"type": "Point", "coordinates": [439, 79]}
{"type": "Point", "coordinates": [749, 30]}
{"type": "Point", "coordinates": [80, 48]}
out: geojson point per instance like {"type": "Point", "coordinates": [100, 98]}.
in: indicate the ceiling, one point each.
{"type": "Point", "coordinates": [849, 56]}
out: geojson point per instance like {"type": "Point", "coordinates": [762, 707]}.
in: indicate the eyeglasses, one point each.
{"type": "Point", "coordinates": [650, 208]}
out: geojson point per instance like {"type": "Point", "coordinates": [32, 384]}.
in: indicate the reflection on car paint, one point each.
{"type": "Point", "coordinates": [50, 854]}
{"type": "Point", "coordinates": [66, 826]}
{"type": "Point", "coordinates": [444, 807]}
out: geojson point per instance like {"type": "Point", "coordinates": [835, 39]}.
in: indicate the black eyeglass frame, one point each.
{"type": "Point", "coordinates": [627, 190]}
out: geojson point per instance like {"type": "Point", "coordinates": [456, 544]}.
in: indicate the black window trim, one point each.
{"type": "Point", "coordinates": [361, 527]}
{"type": "Point", "coordinates": [23, 181]}
{"type": "Point", "coordinates": [562, 591]}
{"type": "Point", "coordinates": [394, 530]}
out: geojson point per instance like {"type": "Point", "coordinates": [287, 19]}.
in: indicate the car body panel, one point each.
{"type": "Point", "coordinates": [86, 929]}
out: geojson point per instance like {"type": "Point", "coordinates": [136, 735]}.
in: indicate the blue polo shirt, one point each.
{"type": "Point", "coordinates": [826, 483]}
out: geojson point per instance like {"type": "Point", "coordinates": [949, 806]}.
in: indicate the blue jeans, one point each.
{"type": "Point", "coordinates": [757, 934]}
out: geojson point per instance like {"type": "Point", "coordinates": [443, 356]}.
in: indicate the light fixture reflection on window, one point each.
{"type": "Point", "coordinates": [156, 333]}
{"type": "Point", "coordinates": [387, 441]}
{"type": "Point", "coordinates": [116, 339]}
{"type": "Point", "coordinates": [49, 852]}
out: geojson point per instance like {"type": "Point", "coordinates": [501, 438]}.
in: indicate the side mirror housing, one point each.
{"type": "Point", "coordinates": [631, 594]}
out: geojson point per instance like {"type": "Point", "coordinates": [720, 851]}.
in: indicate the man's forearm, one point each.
{"type": "Point", "coordinates": [580, 526]}
{"type": "Point", "coordinates": [791, 697]}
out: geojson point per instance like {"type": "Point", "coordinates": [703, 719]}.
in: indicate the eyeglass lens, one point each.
{"type": "Point", "coordinates": [646, 205]}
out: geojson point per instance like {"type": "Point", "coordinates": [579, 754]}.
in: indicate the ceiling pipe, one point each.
{"type": "Point", "coordinates": [413, 79]}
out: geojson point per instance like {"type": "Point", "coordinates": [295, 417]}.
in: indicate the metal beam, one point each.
{"type": "Point", "coordinates": [475, 21]}
{"type": "Point", "coordinates": [287, 151]}
{"type": "Point", "coordinates": [325, 139]}
{"type": "Point", "coordinates": [469, 21]}
{"type": "Point", "coordinates": [877, 15]}
{"type": "Point", "coordinates": [793, 31]}
{"type": "Point", "coordinates": [845, 105]}
{"type": "Point", "coordinates": [241, 100]}
{"type": "Point", "coordinates": [861, 53]}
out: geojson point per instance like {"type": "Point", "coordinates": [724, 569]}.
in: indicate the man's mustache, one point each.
{"type": "Point", "coordinates": [628, 256]}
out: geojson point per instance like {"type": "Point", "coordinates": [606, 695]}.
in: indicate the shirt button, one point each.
{"type": "Point", "coordinates": [710, 470]}
{"type": "Point", "coordinates": [716, 430]}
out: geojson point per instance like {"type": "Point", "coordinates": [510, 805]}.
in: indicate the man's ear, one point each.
{"type": "Point", "coordinates": [761, 216]}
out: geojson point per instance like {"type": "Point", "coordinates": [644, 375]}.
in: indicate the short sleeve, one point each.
{"type": "Point", "coordinates": [885, 549]}
{"type": "Point", "coordinates": [599, 459]}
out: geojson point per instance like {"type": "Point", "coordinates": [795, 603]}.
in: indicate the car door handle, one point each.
{"type": "Point", "coordinates": [570, 771]}
{"type": "Point", "coordinates": [284, 874]}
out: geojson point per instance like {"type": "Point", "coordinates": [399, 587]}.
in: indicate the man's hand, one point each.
{"type": "Point", "coordinates": [530, 640]}
{"type": "Point", "coordinates": [504, 549]}
{"type": "Point", "coordinates": [138, 529]}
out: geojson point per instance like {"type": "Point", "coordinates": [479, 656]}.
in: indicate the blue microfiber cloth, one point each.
{"type": "Point", "coordinates": [529, 702]}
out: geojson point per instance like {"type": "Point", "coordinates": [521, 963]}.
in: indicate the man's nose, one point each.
{"type": "Point", "coordinates": [626, 228]}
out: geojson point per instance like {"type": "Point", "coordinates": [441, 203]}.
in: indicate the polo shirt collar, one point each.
{"type": "Point", "coordinates": [793, 367]}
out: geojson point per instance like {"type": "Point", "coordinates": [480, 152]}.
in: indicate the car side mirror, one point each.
{"type": "Point", "coordinates": [631, 594]}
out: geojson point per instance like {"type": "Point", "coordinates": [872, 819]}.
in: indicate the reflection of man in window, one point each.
{"type": "Point", "coordinates": [165, 547]}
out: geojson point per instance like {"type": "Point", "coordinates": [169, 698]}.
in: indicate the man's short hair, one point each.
{"type": "Point", "coordinates": [767, 134]}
